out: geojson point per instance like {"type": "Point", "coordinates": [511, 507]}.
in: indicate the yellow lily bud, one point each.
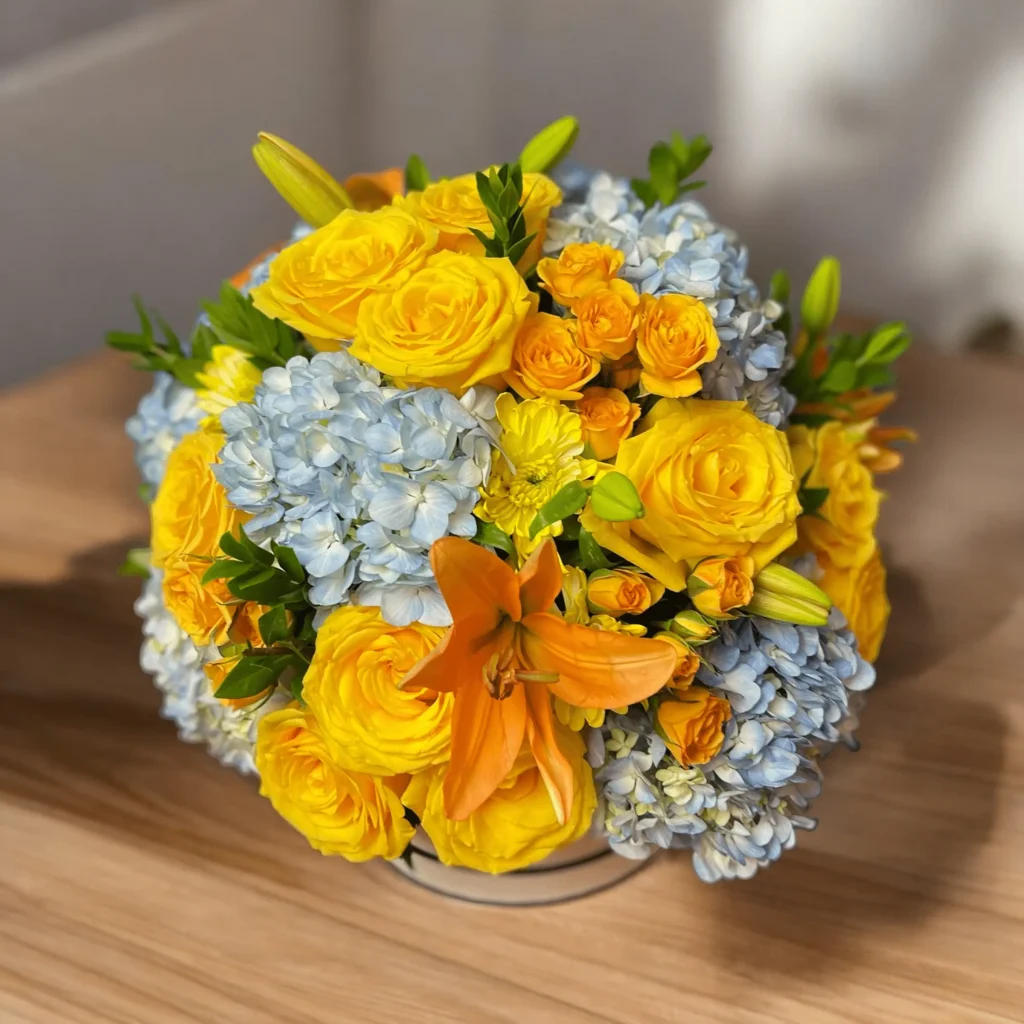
{"type": "Point", "coordinates": [692, 627]}
{"type": "Point", "coordinates": [788, 609]}
{"type": "Point", "coordinates": [303, 184]}
{"type": "Point", "coordinates": [821, 297]}
{"type": "Point", "coordinates": [777, 579]}
{"type": "Point", "coordinates": [549, 146]}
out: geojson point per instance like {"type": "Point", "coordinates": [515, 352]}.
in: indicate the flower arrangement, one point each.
{"type": "Point", "coordinates": [506, 506]}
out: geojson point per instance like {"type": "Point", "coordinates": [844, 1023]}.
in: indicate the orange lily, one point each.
{"type": "Point", "coordinates": [504, 657]}
{"type": "Point", "coordinates": [374, 190]}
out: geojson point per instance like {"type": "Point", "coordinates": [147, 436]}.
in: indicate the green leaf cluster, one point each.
{"type": "Point", "coordinates": [669, 164]}
{"type": "Point", "coordinates": [501, 192]}
{"type": "Point", "coordinates": [274, 578]}
{"type": "Point", "coordinates": [161, 354]}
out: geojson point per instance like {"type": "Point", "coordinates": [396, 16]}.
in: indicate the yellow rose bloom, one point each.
{"type": "Point", "coordinates": [452, 324]}
{"type": "Point", "coordinates": [859, 593]}
{"type": "Point", "coordinates": [580, 268]}
{"type": "Point", "coordinates": [622, 592]}
{"type": "Point", "coordinates": [352, 687]}
{"type": "Point", "coordinates": [625, 372]}
{"type": "Point", "coordinates": [717, 586]}
{"type": "Point", "coordinates": [516, 826]}
{"type": "Point", "coordinates": [692, 725]}
{"type": "Point", "coordinates": [318, 284]}
{"type": "Point", "coordinates": [610, 624]}
{"type": "Point", "coordinates": [229, 377]}
{"type": "Point", "coordinates": [189, 515]}
{"type": "Point", "coordinates": [843, 529]}
{"type": "Point", "coordinates": [546, 362]}
{"type": "Point", "coordinates": [606, 320]}
{"type": "Point", "coordinates": [676, 337]}
{"type": "Point", "coordinates": [540, 447]}
{"type": "Point", "coordinates": [714, 480]}
{"type": "Point", "coordinates": [687, 661]}
{"type": "Point", "coordinates": [607, 416]}
{"type": "Point", "coordinates": [453, 207]}
{"type": "Point", "coordinates": [351, 814]}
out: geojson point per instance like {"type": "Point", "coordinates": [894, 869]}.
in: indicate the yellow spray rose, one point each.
{"type": "Point", "coordinates": [607, 416]}
{"type": "Point", "coordinates": [625, 372]}
{"type": "Point", "coordinates": [189, 516]}
{"type": "Point", "coordinates": [692, 725]}
{"type": "Point", "coordinates": [352, 686]}
{"type": "Point", "coordinates": [351, 814]}
{"type": "Point", "coordinates": [714, 480]}
{"type": "Point", "coordinates": [452, 324]}
{"type": "Point", "coordinates": [516, 826]}
{"type": "Point", "coordinates": [227, 379]}
{"type": "Point", "coordinates": [546, 362]}
{"type": "Point", "coordinates": [606, 320]}
{"type": "Point", "coordinates": [676, 337]}
{"type": "Point", "coordinates": [717, 586]}
{"type": "Point", "coordinates": [318, 284]}
{"type": "Point", "coordinates": [843, 529]}
{"type": "Point", "coordinates": [453, 207]}
{"type": "Point", "coordinates": [580, 268]}
{"type": "Point", "coordinates": [687, 661]}
{"type": "Point", "coordinates": [859, 593]}
{"type": "Point", "coordinates": [622, 592]}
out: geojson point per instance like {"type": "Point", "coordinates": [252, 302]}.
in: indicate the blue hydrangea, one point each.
{"type": "Point", "coordinates": [360, 479]}
{"type": "Point", "coordinates": [790, 690]}
{"type": "Point", "coordinates": [166, 413]}
{"type": "Point", "coordinates": [679, 248]}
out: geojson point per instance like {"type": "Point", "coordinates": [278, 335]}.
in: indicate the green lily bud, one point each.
{"type": "Point", "coordinates": [549, 146]}
{"type": "Point", "coordinates": [821, 297]}
{"type": "Point", "coordinates": [303, 184]}
{"type": "Point", "coordinates": [692, 627]}
{"type": "Point", "coordinates": [781, 593]}
{"type": "Point", "coordinates": [615, 499]}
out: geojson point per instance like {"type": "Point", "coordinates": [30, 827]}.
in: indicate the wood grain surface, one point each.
{"type": "Point", "coordinates": [140, 882]}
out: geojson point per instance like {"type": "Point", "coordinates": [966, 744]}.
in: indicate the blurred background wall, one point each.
{"type": "Point", "coordinates": [887, 132]}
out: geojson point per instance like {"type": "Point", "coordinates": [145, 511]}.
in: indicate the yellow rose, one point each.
{"type": "Point", "coordinates": [859, 593]}
{"type": "Point", "coordinates": [227, 379]}
{"type": "Point", "coordinates": [189, 516]}
{"type": "Point", "coordinates": [318, 284]}
{"type": "Point", "coordinates": [692, 725]}
{"type": "Point", "coordinates": [606, 320]}
{"type": "Point", "coordinates": [453, 207]}
{"type": "Point", "coordinates": [714, 480]}
{"type": "Point", "coordinates": [352, 686]}
{"type": "Point", "coordinates": [625, 372]}
{"type": "Point", "coordinates": [546, 362]}
{"type": "Point", "coordinates": [607, 416]}
{"type": "Point", "coordinates": [687, 661]}
{"type": "Point", "coordinates": [354, 815]}
{"type": "Point", "coordinates": [516, 826]}
{"type": "Point", "coordinates": [452, 324]}
{"type": "Point", "coordinates": [580, 268]}
{"type": "Point", "coordinates": [718, 585]}
{"type": "Point", "coordinates": [622, 592]}
{"type": "Point", "coordinates": [676, 337]}
{"type": "Point", "coordinates": [843, 529]}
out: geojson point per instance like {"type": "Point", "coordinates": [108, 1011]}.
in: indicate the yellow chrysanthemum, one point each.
{"type": "Point", "coordinates": [227, 379]}
{"type": "Point", "coordinates": [541, 443]}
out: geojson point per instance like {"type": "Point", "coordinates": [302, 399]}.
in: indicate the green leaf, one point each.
{"type": "Point", "coordinates": [136, 563]}
{"type": "Point", "coordinates": [253, 674]}
{"type": "Point", "coordinates": [644, 191]}
{"type": "Point", "coordinates": [491, 536]}
{"type": "Point", "coordinates": [288, 561]}
{"type": "Point", "coordinates": [811, 499]}
{"type": "Point", "coordinates": [680, 148]}
{"type": "Point", "coordinates": [810, 419]}
{"type": "Point", "coordinates": [274, 626]}
{"type": "Point", "coordinates": [237, 322]}
{"type": "Point", "coordinates": [417, 177]}
{"type": "Point", "coordinates": [550, 146]}
{"type": "Point", "coordinates": [661, 164]}
{"type": "Point", "coordinates": [225, 568]}
{"type": "Point", "coordinates": [233, 547]}
{"type": "Point", "coordinates": [515, 252]}
{"type": "Point", "coordinates": [700, 149]}
{"type": "Point", "coordinates": [778, 288]}
{"type": "Point", "coordinates": [839, 377]}
{"type": "Point", "coordinates": [569, 499]}
{"type": "Point", "coordinates": [875, 377]}
{"type": "Point", "coordinates": [263, 585]}
{"type": "Point", "coordinates": [615, 499]}
{"type": "Point", "coordinates": [254, 553]}
{"type": "Point", "coordinates": [592, 555]}
{"type": "Point", "coordinates": [690, 186]}
{"type": "Point", "coordinates": [885, 344]}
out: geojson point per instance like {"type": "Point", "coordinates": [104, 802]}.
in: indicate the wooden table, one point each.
{"type": "Point", "coordinates": [140, 882]}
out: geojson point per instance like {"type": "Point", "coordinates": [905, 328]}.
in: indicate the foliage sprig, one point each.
{"type": "Point", "coordinates": [501, 192]}
{"type": "Point", "coordinates": [669, 164]}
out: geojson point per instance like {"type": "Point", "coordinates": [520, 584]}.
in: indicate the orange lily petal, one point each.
{"type": "Point", "coordinates": [486, 737]}
{"type": "Point", "coordinates": [455, 662]}
{"type": "Point", "coordinates": [540, 579]}
{"type": "Point", "coordinates": [595, 669]}
{"type": "Point", "coordinates": [554, 767]}
{"type": "Point", "coordinates": [474, 582]}
{"type": "Point", "coordinates": [374, 190]}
